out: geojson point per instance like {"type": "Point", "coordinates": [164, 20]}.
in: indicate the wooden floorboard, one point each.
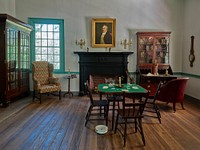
{"type": "Point", "coordinates": [59, 124]}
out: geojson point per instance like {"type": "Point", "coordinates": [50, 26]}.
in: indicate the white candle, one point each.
{"type": "Point", "coordinates": [119, 80]}
{"type": "Point", "coordinates": [68, 70]}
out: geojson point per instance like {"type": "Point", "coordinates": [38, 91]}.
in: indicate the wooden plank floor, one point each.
{"type": "Point", "coordinates": [58, 124]}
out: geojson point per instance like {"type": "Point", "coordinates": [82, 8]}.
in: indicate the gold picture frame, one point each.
{"type": "Point", "coordinates": [103, 32]}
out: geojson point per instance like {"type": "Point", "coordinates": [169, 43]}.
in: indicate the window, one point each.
{"type": "Point", "coordinates": [47, 41]}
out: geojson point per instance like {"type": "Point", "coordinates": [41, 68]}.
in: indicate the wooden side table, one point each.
{"type": "Point", "coordinates": [69, 77]}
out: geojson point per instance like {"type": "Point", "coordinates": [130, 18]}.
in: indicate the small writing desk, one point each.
{"type": "Point", "coordinates": [113, 89]}
{"type": "Point", "coordinates": [68, 77]}
{"type": "Point", "coordinates": [150, 82]}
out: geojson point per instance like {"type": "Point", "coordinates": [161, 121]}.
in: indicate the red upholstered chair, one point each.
{"type": "Point", "coordinates": [173, 92]}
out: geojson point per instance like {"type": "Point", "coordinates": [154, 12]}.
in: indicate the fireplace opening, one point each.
{"type": "Point", "coordinates": [94, 80]}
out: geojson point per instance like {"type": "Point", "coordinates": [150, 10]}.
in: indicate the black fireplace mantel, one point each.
{"type": "Point", "coordinates": [101, 63]}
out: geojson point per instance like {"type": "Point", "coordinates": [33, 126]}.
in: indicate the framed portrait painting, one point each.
{"type": "Point", "coordinates": [103, 32]}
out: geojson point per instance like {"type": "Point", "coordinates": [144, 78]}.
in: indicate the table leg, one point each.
{"type": "Point", "coordinates": [113, 113]}
{"type": "Point", "coordinates": [68, 92]}
{"type": "Point", "coordinates": [100, 99]}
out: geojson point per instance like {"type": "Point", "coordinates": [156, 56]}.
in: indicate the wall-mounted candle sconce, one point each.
{"type": "Point", "coordinates": [81, 43]}
{"type": "Point", "coordinates": [125, 42]}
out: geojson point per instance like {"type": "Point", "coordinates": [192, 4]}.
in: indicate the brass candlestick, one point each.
{"type": "Point", "coordinates": [125, 43]}
{"type": "Point", "coordinates": [81, 43]}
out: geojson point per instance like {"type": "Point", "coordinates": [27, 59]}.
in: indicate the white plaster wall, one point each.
{"type": "Point", "coordinates": [131, 16]}
{"type": "Point", "coordinates": [192, 27]}
{"type": "Point", "coordinates": [8, 7]}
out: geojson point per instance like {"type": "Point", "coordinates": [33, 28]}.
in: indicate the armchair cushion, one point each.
{"type": "Point", "coordinates": [53, 80]}
{"type": "Point", "coordinates": [49, 88]}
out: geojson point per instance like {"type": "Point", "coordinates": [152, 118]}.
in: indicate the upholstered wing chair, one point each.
{"type": "Point", "coordinates": [173, 92]}
{"type": "Point", "coordinates": [43, 80]}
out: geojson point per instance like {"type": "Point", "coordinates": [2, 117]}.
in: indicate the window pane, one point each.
{"type": "Point", "coordinates": [38, 27]}
{"type": "Point", "coordinates": [50, 27]}
{"type": "Point", "coordinates": [44, 42]}
{"type": "Point", "coordinates": [37, 42]}
{"type": "Point", "coordinates": [38, 35]}
{"type": "Point", "coordinates": [44, 27]}
{"type": "Point", "coordinates": [44, 35]}
{"type": "Point", "coordinates": [50, 42]}
{"type": "Point", "coordinates": [56, 43]}
{"type": "Point", "coordinates": [38, 50]}
{"type": "Point", "coordinates": [50, 50]}
{"type": "Point", "coordinates": [56, 51]}
{"type": "Point", "coordinates": [50, 35]}
{"type": "Point", "coordinates": [56, 65]}
{"type": "Point", "coordinates": [44, 51]}
{"type": "Point", "coordinates": [38, 57]}
{"type": "Point", "coordinates": [56, 28]}
{"type": "Point", "coordinates": [50, 58]}
{"type": "Point", "coordinates": [56, 58]}
{"type": "Point", "coordinates": [44, 57]}
{"type": "Point", "coordinates": [56, 35]}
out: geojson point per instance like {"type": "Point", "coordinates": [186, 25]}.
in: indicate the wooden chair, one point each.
{"type": "Point", "coordinates": [43, 80]}
{"type": "Point", "coordinates": [151, 107]}
{"type": "Point", "coordinates": [131, 112]}
{"type": "Point", "coordinates": [95, 106]}
{"type": "Point", "coordinates": [173, 92]}
{"type": "Point", "coordinates": [130, 78]}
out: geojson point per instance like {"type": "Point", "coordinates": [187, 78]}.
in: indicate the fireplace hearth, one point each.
{"type": "Point", "coordinates": [101, 63]}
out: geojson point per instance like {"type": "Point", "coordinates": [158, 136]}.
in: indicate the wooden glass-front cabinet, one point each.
{"type": "Point", "coordinates": [14, 58]}
{"type": "Point", "coordinates": [153, 57]}
{"type": "Point", "coordinates": [153, 46]}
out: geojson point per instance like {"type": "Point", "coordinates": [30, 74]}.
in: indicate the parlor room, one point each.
{"type": "Point", "coordinates": [99, 74]}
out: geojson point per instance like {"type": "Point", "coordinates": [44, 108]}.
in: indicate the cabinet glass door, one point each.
{"type": "Point", "coordinates": [162, 49]}
{"type": "Point", "coordinates": [24, 59]}
{"type": "Point", "coordinates": [153, 47]}
{"type": "Point", "coordinates": [145, 49]}
{"type": "Point", "coordinates": [12, 57]}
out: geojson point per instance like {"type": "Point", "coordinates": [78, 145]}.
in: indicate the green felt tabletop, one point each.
{"type": "Point", "coordinates": [127, 88]}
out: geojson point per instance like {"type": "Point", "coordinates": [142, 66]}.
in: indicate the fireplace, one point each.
{"type": "Point", "coordinates": [101, 63]}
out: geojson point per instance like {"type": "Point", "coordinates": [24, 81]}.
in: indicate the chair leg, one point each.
{"type": "Point", "coordinates": [174, 107]}
{"type": "Point", "coordinates": [40, 98]}
{"type": "Point", "coordinates": [125, 130]}
{"type": "Point", "coordinates": [182, 105]}
{"type": "Point", "coordinates": [88, 115]}
{"type": "Point", "coordinates": [141, 130]}
{"type": "Point", "coordinates": [118, 105]}
{"type": "Point", "coordinates": [157, 112]}
{"type": "Point", "coordinates": [116, 122]}
{"type": "Point", "coordinates": [60, 95]}
{"type": "Point", "coordinates": [135, 125]}
{"type": "Point", "coordinates": [106, 114]}
{"type": "Point", "coordinates": [33, 94]}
